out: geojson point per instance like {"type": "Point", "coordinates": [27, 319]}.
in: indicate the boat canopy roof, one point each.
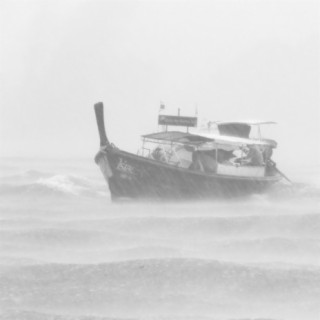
{"type": "Point", "coordinates": [210, 140]}
{"type": "Point", "coordinates": [248, 122]}
{"type": "Point", "coordinates": [238, 141]}
{"type": "Point", "coordinates": [179, 137]}
{"type": "Point", "coordinates": [238, 128]}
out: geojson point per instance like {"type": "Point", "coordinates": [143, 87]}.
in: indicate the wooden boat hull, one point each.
{"type": "Point", "coordinates": [132, 176]}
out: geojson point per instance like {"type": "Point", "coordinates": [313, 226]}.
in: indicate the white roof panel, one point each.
{"type": "Point", "coordinates": [248, 122]}
{"type": "Point", "coordinates": [236, 141]}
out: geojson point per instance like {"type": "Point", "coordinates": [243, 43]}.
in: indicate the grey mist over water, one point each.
{"type": "Point", "coordinates": [66, 251]}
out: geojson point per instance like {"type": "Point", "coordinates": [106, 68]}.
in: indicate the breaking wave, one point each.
{"type": "Point", "coordinates": [41, 183]}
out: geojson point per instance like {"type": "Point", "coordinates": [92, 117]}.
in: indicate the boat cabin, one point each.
{"type": "Point", "coordinates": [226, 150]}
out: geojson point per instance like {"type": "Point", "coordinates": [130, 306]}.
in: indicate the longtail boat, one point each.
{"type": "Point", "coordinates": [202, 164]}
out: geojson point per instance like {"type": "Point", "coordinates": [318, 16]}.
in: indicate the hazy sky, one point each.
{"type": "Point", "coordinates": [233, 59]}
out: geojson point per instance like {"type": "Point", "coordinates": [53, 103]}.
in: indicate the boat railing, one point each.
{"type": "Point", "coordinates": [167, 154]}
{"type": "Point", "coordinates": [238, 165]}
{"type": "Point", "coordinates": [144, 152]}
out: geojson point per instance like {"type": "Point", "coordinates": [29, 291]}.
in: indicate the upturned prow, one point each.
{"type": "Point", "coordinates": [98, 108]}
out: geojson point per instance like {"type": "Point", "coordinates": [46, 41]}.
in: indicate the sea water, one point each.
{"type": "Point", "coordinates": [67, 252]}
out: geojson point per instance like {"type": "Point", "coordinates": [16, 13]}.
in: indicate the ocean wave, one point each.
{"type": "Point", "coordinates": [96, 247]}
{"type": "Point", "coordinates": [202, 226]}
{"type": "Point", "coordinates": [26, 176]}
{"type": "Point", "coordinates": [44, 182]}
{"type": "Point", "coordinates": [33, 315]}
{"type": "Point", "coordinates": [7, 261]}
{"type": "Point", "coordinates": [148, 222]}
{"type": "Point", "coordinates": [288, 228]}
{"type": "Point", "coordinates": [295, 190]}
{"type": "Point", "coordinates": [181, 272]}
{"type": "Point", "coordinates": [161, 285]}
{"type": "Point", "coordinates": [47, 184]}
